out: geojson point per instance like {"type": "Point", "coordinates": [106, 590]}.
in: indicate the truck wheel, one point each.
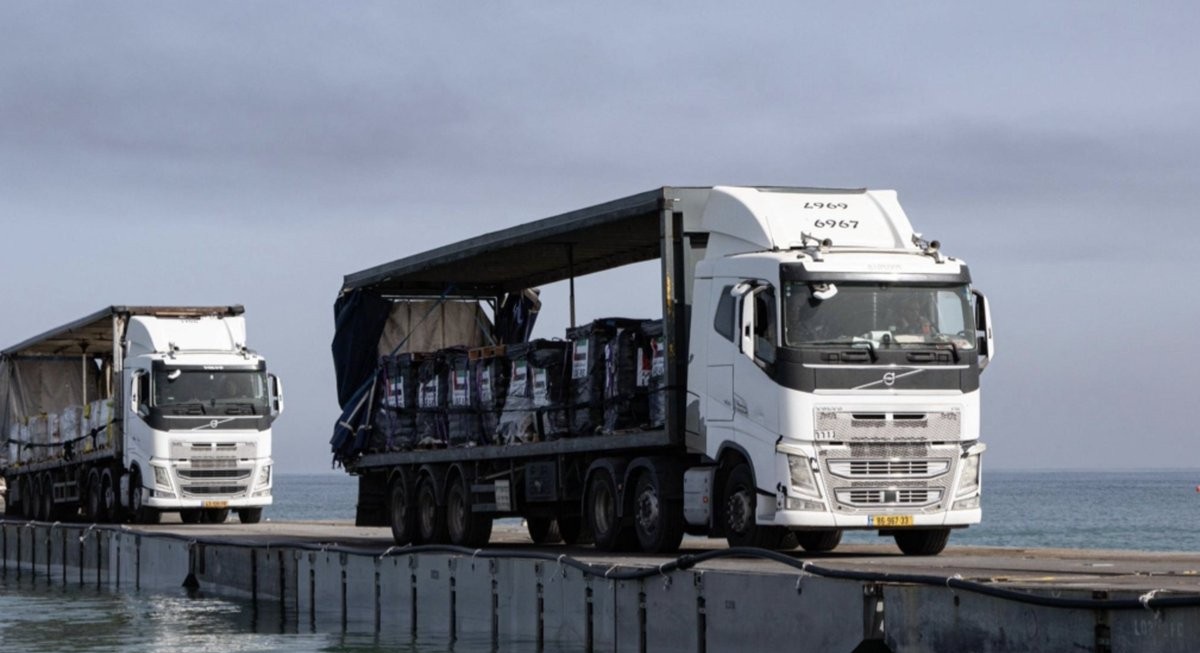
{"type": "Point", "coordinates": [190, 515]}
{"type": "Point", "coordinates": [658, 522]}
{"type": "Point", "coordinates": [216, 515]}
{"type": "Point", "coordinates": [465, 527]}
{"type": "Point", "coordinates": [108, 497]}
{"type": "Point", "coordinates": [601, 513]}
{"type": "Point", "coordinates": [91, 498]}
{"type": "Point", "coordinates": [139, 513]}
{"type": "Point", "coordinates": [819, 541]}
{"type": "Point", "coordinates": [573, 530]}
{"type": "Point", "coordinates": [923, 542]}
{"type": "Point", "coordinates": [740, 509]}
{"type": "Point", "coordinates": [46, 498]}
{"type": "Point", "coordinates": [249, 515]}
{"type": "Point", "coordinates": [543, 530]}
{"type": "Point", "coordinates": [431, 519]}
{"type": "Point", "coordinates": [401, 512]}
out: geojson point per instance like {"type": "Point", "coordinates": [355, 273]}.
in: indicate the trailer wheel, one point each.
{"type": "Point", "coordinates": [108, 497]}
{"type": "Point", "coordinates": [46, 498]}
{"type": "Point", "coordinates": [740, 509]}
{"type": "Point", "coordinates": [602, 518]}
{"type": "Point", "coordinates": [923, 542]}
{"type": "Point", "coordinates": [431, 519]}
{"type": "Point", "coordinates": [658, 522]}
{"type": "Point", "coordinates": [819, 541]}
{"type": "Point", "coordinates": [249, 515]}
{"type": "Point", "coordinates": [543, 530]}
{"type": "Point", "coordinates": [401, 512]}
{"type": "Point", "coordinates": [465, 527]}
{"type": "Point", "coordinates": [91, 501]}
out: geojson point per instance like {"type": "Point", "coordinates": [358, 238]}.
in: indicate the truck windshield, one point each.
{"type": "Point", "coordinates": [880, 313]}
{"type": "Point", "coordinates": [211, 391]}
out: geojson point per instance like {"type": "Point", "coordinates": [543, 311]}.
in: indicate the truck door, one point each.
{"type": "Point", "coordinates": [755, 394]}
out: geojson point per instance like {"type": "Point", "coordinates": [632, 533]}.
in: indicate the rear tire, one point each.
{"type": "Point", "coordinates": [402, 512]}
{"type": "Point", "coordinates": [543, 530]}
{"type": "Point", "coordinates": [250, 515]}
{"type": "Point", "coordinates": [657, 521]}
{"type": "Point", "coordinates": [602, 515]}
{"type": "Point", "coordinates": [923, 542]}
{"type": "Point", "coordinates": [464, 526]}
{"type": "Point", "coordinates": [819, 541]}
{"type": "Point", "coordinates": [431, 519]}
{"type": "Point", "coordinates": [92, 504]}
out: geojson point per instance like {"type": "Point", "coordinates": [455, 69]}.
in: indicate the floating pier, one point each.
{"type": "Point", "coordinates": [327, 576]}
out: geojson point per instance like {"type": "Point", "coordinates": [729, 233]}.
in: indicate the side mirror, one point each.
{"type": "Point", "coordinates": [276, 394]}
{"type": "Point", "coordinates": [134, 392]}
{"type": "Point", "coordinates": [746, 324]}
{"type": "Point", "coordinates": [983, 330]}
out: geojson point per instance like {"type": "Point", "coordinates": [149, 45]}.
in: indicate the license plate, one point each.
{"type": "Point", "coordinates": [891, 521]}
{"type": "Point", "coordinates": [215, 504]}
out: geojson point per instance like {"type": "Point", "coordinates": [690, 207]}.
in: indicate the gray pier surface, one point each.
{"type": "Point", "coordinates": [329, 575]}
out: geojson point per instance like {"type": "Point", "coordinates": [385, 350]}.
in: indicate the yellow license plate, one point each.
{"type": "Point", "coordinates": [891, 521]}
{"type": "Point", "coordinates": [215, 504]}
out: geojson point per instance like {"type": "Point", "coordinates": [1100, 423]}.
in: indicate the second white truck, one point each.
{"type": "Point", "coordinates": [139, 410]}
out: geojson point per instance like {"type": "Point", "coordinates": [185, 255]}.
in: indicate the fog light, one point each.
{"type": "Point", "coordinates": [966, 504]}
{"type": "Point", "coordinates": [796, 503]}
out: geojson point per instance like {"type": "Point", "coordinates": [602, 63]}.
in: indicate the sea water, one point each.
{"type": "Point", "coordinates": [1140, 510]}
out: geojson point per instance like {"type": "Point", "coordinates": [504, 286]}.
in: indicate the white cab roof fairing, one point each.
{"type": "Point", "coordinates": [743, 219]}
{"type": "Point", "coordinates": [146, 334]}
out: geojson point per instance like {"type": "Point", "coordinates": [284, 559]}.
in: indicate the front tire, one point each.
{"type": "Point", "coordinates": [739, 507]}
{"type": "Point", "coordinates": [922, 542]}
{"type": "Point", "coordinates": [190, 515]}
{"type": "Point", "coordinates": [108, 497]}
{"type": "Point", "coordinates": [819, 541]}
{"type": "Point", "coordinates": [216, 515]}
{"type": "Point", "coordinates": [249, 515]}
{"type": "Point", "coordinates": [139, 513]}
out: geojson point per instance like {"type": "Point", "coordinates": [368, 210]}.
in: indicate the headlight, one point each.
{"type": "Point", "coordinates": [970, 475]}
{"type": "Point", "coordinates": [264, 476]}
{"type": "Point", "coordinates": [801, 473]}
{"type": "Point", "coordinates": [161, 477]}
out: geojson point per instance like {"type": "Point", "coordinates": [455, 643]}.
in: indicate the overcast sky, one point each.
{"type": "Point", "coordinates": [254, 153]}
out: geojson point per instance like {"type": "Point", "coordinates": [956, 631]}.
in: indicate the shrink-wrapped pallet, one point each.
{"type": "Point", "coordinates": [431, 402]}
{"type": "Point", "coordinates": [534, 408]}
{"type": "Point", "coordinates": [100, 414]}
{"type": "Point", "coordinates": [489, 374]}
{"type": "Point", "coordinates": [18, 435]}
{"type": "Point", "coordinates": [39, 437]}
{"type": "Point", "coordinates": [396, 415]}
{"type": "Point", "coordinates": [624, 400]}
{"type": "Point", "coordinates": [462, 416]}
{"type": "Point", "coordinates": [593, 366]}
{"type": "Point", "coordinates": [71, 426]}
{"type": "Point", "coordinates": [53, 437]}
{"type": "Point", "coordinates": [652, 372]}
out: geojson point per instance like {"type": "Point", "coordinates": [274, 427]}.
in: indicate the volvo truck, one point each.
{"type": "Point", "coordinates": [821, 364]}
{"type": "Point", "coordinates": [134, 411]}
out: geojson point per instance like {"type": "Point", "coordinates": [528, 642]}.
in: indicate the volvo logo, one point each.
{"type": "Point", "coordinates": [889, 379]}
{"type": "Point", "coordinates": [214, 423]}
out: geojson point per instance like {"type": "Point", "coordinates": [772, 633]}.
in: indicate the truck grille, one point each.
{"type": "Point", "coordinates": [231, 474]}
{"type": "Point", "coordinates": [871, 497]}
{"type": "Point", "coordinates": [867, 476]}
{"type": "Point", "coordinates": [209, 490]}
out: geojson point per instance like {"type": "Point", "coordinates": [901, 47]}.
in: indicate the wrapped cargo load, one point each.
{"type": "Point", "coordinates": [590, 371]}
{"type": "Point", "coordinates": [652, 372]}
{"type": "Point", "coordinates": [490, 370]}
{"type": "Point", "coordinates": [18, 437]}
{"type": "Point", "coordinates": [100, 425]}
{"type": "Point", "coordinates": [432, 397]}
{"type": "Point", "coordinates": [624, 401]}
{"type": "Point", "coordinates": [71, 426]}
{"type": "Point", "coordinates": [533, 408]}
{"type": "Point", "coordinates": [462, 417]}
{"type": "Point", "coordinates": [396, 415]}
{"type": "Point", "coordinates": [39, 437]}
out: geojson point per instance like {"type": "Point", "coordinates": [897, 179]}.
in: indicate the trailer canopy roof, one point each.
{"type": "Point", "coordinates": [95, 332]}
{"type": "Point", "coordinates": [581, 242]}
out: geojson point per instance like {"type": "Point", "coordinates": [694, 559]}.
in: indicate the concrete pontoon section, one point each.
{"type": "Point", "coordinates": [327, 577]}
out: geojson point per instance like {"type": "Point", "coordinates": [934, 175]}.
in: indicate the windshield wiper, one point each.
{"type": "Point", "coordinates": [852, 344]}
